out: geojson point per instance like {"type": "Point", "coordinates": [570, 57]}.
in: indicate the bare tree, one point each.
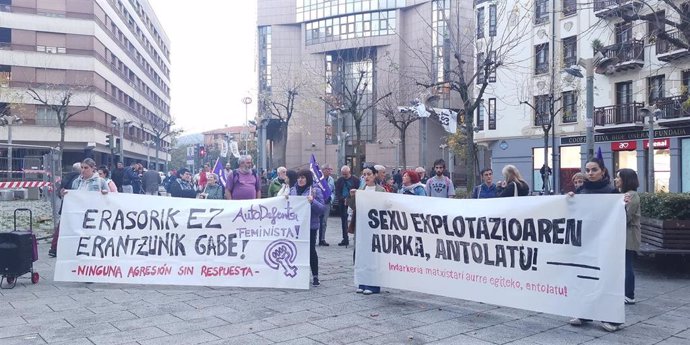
{"type": "Point", "coordinates": [58, 99]}
{"type": "Point", "coordinates": [493, 52]}
{"type": "Point", "coordinates": [281, 107]}
{"type": "Point", "coordinates": [160, 128]}
{"type": "Point", "coordinates": [351, 90]}
{"type": "Point", "coordinates": [396, 109]}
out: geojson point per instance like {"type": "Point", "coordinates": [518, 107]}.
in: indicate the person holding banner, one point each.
{"type": "Point", "coordinates": [598, 182]}
{"type": "Point", "coordinates": [305, 186]}
{"type": "Point", "coordinates": [627, 182]}
{"type": "Point", "coordinates": [411, 184]}
{"type": "Point", "coordinates": [369, 185]}
{"type": "Point", "coordinates": [514, 184]}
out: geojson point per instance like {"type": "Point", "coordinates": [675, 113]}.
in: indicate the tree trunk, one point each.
{"type": "Point", "coordinates": [158, 146]}
{"type": "Point", "coordinates": [403, 154]}
{"type": "Point", "coordinates": [360, 148]}
{"type": "Point", "coordinates": [470, 158]}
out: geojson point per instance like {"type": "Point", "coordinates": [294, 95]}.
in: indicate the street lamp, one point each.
{"type": "Point", "coordinates": [121, 126]}
{"type": "Point", "coordinates": [247, 101]}
{"type": "Point", "coordinates": [601, 65]}
{"type": "Point", "coordinates": [9, 121]}
{"type": "Point", "coordinates": [651, 113]}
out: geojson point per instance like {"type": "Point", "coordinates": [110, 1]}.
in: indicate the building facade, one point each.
{"type": "Point", "coordinates": [110, 55]}
{"type": "Point", "coordinates": [329, 52]}
{"type": "Point", "coordinates": [637, 68]}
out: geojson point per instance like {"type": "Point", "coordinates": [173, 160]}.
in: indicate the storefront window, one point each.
{"type": "Point", "coordinates": [538, 159]}
{"type": "Point", "coordinates": [662, 169]}
{"type": "Point", "coordinates": [624, 160]}
{"type": "Point", "coordinates": [685, 165]}
{"type": "Point", "coordinates": [570, 165]}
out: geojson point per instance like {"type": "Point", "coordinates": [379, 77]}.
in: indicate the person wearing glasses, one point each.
{"type": "Point", "coordinates": [182, 187]}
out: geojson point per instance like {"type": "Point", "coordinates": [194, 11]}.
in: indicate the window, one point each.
{"type": "Point", "coordinates": [541, 11]}
{"type": "Point", "coordinates": [569, 7]}
{"type": "Point", "coordinates": [655, 85]}
{"type": "Point", "coordinates": [480, 22]}
{"type": "Point", "coordinates": [570, 51]}
{"type": "Point", "coordinates": [492, 20]}
{"type": "Point", "coordinates": [569, 100]}
{"type": "Point", "coordinates": [623, 33]}
{"type": "Point", "coordinates": [492, 71]}
{"type": "Point", "coordinates": [492, 113]}
{"type": "Point", "coordinates": [541, 110]}
{"type": "Point", "coordinates": [541, 55]}
{"type": "Point", "coordinates": [46, 117]}
{"type": "Point", "coordinates": [480, 68]}
{"type": "Point", "coordinates": [481, 110]}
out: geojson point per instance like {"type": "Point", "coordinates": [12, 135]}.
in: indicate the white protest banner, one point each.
{"type": "Point", "coordinates": [142, 239]}
{"type": "Point", "coordinates": [557, 254]}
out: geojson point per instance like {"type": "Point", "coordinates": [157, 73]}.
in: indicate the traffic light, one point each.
{"type": "Point", "coordinates": [202, 152]}
{"type": "Point", "coordinates": [109, 141]}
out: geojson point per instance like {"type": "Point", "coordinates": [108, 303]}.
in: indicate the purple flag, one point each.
{"type": "Point", "coordinates": [318, 176]}
{"type": "Point", "coordinates": [218, 170]}
{"type": "Point", "coordinates": [599, 155]}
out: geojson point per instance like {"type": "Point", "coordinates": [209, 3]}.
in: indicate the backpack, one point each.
{"type": "Point", "coordinates": [236, 177]}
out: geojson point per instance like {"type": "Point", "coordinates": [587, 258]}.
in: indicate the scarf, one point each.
{"type": "Point", "coordinates": [301, 190]}
{"type": "Point", "coordinates": [411, 187]}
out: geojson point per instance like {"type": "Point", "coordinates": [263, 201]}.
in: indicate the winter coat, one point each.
{"type": "Point", "coordinates": [317, 205]}
{"type": "Point", "coordinates": [509, 190]}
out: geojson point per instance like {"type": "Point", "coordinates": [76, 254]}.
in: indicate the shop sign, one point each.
{"type": "Point", "coordinates": [659, 144]}
{"type": "Point", "coordinates": [630, 145]}
{"type": "Point", "coordinates": [624, 136]}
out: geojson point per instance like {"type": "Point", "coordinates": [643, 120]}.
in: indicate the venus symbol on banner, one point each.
{"type": "Point", "coordinates": [281, 254]}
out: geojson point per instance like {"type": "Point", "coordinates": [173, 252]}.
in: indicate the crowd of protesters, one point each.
{"type": "Point", "coordinates": [245, 183]}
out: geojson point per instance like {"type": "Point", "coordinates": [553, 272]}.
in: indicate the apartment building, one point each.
{"type": "Point", "coordinates": [111, 56]}
{"type": "Point", "coordinates": [641, 65]}
{"type": "Point", "coordinates": [324, 49]}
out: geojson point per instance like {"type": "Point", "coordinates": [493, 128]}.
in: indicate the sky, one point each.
{"type": "Point", "coordinates": [212, 54]}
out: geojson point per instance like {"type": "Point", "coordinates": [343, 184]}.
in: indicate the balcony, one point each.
{"type": "Point", "coordinates": [614, 8]}
{"type": "Point", "coordinates": [621, 117]}
{"type": "Point", "coordinates": [630, 55]}
{"type": "Point", "coordinates": [667, 50]}
{"type": "Point", "coordinates": [674, 111]}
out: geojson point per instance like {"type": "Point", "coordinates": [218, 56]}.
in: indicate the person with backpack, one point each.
{"type": "Point", "coordinates": [487, 189]}
{"type": "Point", "coordinates": [440, 185]}
{"type": "Point", "coordinates": [245, 183]}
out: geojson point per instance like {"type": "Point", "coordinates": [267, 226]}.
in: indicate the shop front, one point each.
{"type": "Point", "coordinates": [631, 150]}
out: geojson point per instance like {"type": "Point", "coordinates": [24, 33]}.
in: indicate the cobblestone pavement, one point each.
{"type": "Point", "coordinates": [102, 314]}
{"type": "Point", "coordinates": [42, 216]}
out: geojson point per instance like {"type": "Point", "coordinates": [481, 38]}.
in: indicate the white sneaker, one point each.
{"type": "Point", "coordinates": [630, 300]}
{"type": "Point", "coordinates": [359, 290]}
{"type": "Point", "coordinates": [609, 326]}
{"type": "Point", "coordinates": [367, 292]}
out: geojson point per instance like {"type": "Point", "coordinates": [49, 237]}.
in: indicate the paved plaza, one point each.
{"type": "Point", "coordinates": [101, 314]}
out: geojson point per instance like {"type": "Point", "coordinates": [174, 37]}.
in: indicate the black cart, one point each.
{"type": "Point", "coordinates": [18, 251]}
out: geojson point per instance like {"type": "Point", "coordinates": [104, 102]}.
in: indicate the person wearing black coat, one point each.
{"type": "Point", "coordinates": [598, 181]}
{"type": "Point", "coordinates": [182, 187]}
{"type": "Point", "coordinates": [514, 184]}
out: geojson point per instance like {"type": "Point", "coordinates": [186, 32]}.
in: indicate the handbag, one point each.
{"type": "Point", "coordinates": [284, 190]}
